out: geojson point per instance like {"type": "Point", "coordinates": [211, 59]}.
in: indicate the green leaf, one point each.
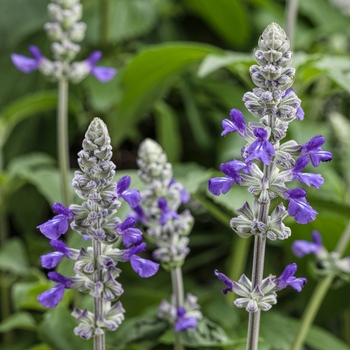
{"type": "Point", "coordinates": [213, 62]}
{"type": "Point", "coordinates": [126, 20]}
{"type": "Point", "coordinates": [167, 129]}
{"type": "Point", "coordinates": [25, 107]}
{"type": "Point", "coordinates": [40, 347]}
{"type": "Point", "coordinates": [206, 333]}
{"type": "Point", "coordinates": [22, 165]}
{"type": "Point", "coordinates": [18, 320]}
{"type": "Point", "coordinates": [57, 331]}
{"type": "Point", "coordinates": [147, 78]}
{"type": "Point", "coordinates": [13, 257]}
{"type": "Point", "coordinates": [228, 18]}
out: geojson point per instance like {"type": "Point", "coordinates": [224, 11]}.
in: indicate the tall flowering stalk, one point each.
{"type": "Point", "coordinates": [95, 268]}
{"type": "Point", "coordinates": [168, 230]}
{"type": "Point", "coordinates": [275, 105]}
{"type": "Point", "coordinates": [65, 31]}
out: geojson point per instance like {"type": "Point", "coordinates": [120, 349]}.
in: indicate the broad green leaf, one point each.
{"type": "Point", "coordinates": [167, 129]}
{"type": "Point", "coordinates": [18, 320]}
{"type": "Point", "coordinates": [13, 257]}
{"type": "Point", "coordinates": [21, 18]}
{"type": "Point", "coordinates": [27, 106]}
{"type": "Point", "coordinates": [57, 331]}
{"type": "Point", "coordinates": [147, 78]}
{"type": "Point", "coordinates": [213, 62]}
{"type": "Point", "coordinates": [124, 19]}
{"type": "Point", "coordinates": [228, 18]}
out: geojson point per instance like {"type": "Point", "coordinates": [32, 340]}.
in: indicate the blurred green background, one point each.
{"type": "Point", "coordinates": [182, 65]}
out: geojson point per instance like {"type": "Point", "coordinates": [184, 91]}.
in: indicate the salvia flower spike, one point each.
{"type": "Point", "coordinates": [96, 267]}
{"type": "Point", "coordinates": [274, 104]}
{"type": "Point", "coordinates": [168, 229]}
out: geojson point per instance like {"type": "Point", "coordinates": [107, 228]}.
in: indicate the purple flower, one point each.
{"type": "Point", "coordinates": [166, 213]}
{"type": "Point", "coordinates": [58, 225]}
{"type": "Point", "coordinates": [132, 197]}
{"type": "Point", "coordinates": [237, 123]}
{"type": "Point", "coordinates": [50, 260]}
{"type": "Point", "coordinates": [53, 296]}
{"type": "Point", "coordinates": [298, 207]}
{"type": "Point", "coordinates": [302, 247]}
{"type": "Point", "coordinates": [314, 151]}
{"type": "Point", "coordinates": [287, 279]}
{"type": "Point", "coordinates": [103, 74]}
{"type": "Point", "coordinates": [138, 214]}
{"type": "Point", "coordinates": [315, 180]}
{"type": "Point", "coordinates": [300, 112]}
{"type": "Point", "coordinates": [184, 195]}
{"type": "Point", "coordinates": [231, 169]}
{"type": "Point", "coordinates": [261, 148]}
{"type": "Point", "coordinates": [130, 235]}
{"type": "Point", "coordinates": [143, 267]}
{"type": "Point", "coordinates": [26, 64]}
{"type": "Point", "coordinates": [184, 322]}
{"type": "Point", "coordinates": [226, 280]}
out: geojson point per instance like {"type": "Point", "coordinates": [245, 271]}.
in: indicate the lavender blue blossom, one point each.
{"type": "Point", "coordinates": [314, 151]}
{"type": "Point", "coordinates": [302, 247]}
{"type": "Point", "coordinates": [53, 296]}
{"type": "Point", "coordinates": [184, 322]}
{"type": "Point", "coordinates": [237, 123]}
{"type": "Point", "coordinates": [287, 279]}
{"type": "Point", "coordinates": [261, 148]}
{"type": "Point", "coordinates": [58, 225]}
{"type": "Point", "coordinates": [26, 64]}
{"type": "Point", "coordinates": [315, 180]}
{"type": "Point", "coordinates": [50, 260]}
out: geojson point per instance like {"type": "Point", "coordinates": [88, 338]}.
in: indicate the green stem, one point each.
{"type": "Point", "coordinates": [318, 295]}
{"type": "Point", "coordinates": [291, 17]}
{"type": "Point", "coordinates": [99, 340]}
{"type": "Point", "coordinates": [62, 139]}
{"type": "Point", "coordinates": [178, 291]}
{"type": "Point", "coordinates": [240, 249]}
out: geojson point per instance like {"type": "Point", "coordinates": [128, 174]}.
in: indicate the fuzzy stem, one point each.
{"type": "Point", "coordinates": [99, 340]}
{"type": "Point", "coordinates": [258, 271]}
{"type": "Point", "coordinates": [178, 291]}
{"type": "Point", "coordinates": [62, 138]}
{"type": "Point", "coordinates": [318, 295]}
{"type": "Point", "coordinates": [291, 17]}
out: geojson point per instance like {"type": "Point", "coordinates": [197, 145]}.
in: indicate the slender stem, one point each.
{"type": "Point", "coordinates": [291, 17]}
{"type": "Point", "coordinates": [178, 291]}
{"type": "Point", "coordinates": [62, 138]}
{"type": "Point", "coordinates": [318, 295]}
{"type": "Point", "coordinates": [99, 340]}
{"type": "Point", "coordinates": [240, 248]}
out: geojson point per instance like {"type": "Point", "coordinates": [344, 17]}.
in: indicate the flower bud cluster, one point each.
{"type": "Point", "coordinates": [66, 31]}
{"type": "Point", "coordinates": [159, 205]}
{"type": "Point", "coordinates": [183, 317]}
{"type": "Point", "coordinates": [327, 263]}
{"type": "Point", "coordinates": [95, 268]}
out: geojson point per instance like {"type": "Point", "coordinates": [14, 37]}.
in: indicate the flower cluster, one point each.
{"type": "Point", "coordinates": [166, 228]}
{"type": "Point", "coordinates": [182, 317]}
{"type": "Point", "coordinates": [159, 204]}
{"type": "Point", "coordinates": [327, 263]}
{"type": "Point", "coordinates": [263, 295]}
{"type": "Point", "coordinates": [95, 267]}
{"type": "Point", "coordinates": [66, 31]}
{"type": "Point", "coordinates": [275, 105]}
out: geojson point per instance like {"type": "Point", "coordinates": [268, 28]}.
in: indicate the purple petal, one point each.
{"type": "Point", "coordinates": [56, 277]}
{"type": "Point", "coordinates": [219, 185]}
{"type": "Point", "coordinates": [260, 133]}
{"type": "Point", "coordinates": [315, 180]}
{"type": "Point", "coordinates": [260, 149]}
{"type": "Point", "coordinates": [103, 74]}
{"type": "Point", "coordinates": [300, 114]}
{"type": "Point", "coordinates": [36, 53]}
{"type": "Point", "coordinates": [55, 227]}
{"type": "Point", "coordinates": [128, 253]}
{"type": "Point", "coordinates": [317, 239]}
{"type": "Point", "coordinates": [24, 64]}
{"type": "Point", "coordinates": [300, 164]}
{"type": "Point", "coordinates": [132, 197]}
{"type": "Point", "coordinates": [237, 123]}
{"type": "Point", "coordinates": [59, 246]}
{"type": "Point", "coordinates": [302, 212]}
{"type": "Point", "coordinates": [295, 193]}
{"type": "Point", "coordinates": [123, 226]}
{"type": "Point", "coordinates": [301, 248]}
{"type": "Point", "coordinates": [123, 184]}
{"type": "Point", "coordinates": [132, 236]}
{"type": "Point", "coordinates": [139, 215]}
{"type": "Point", "coordinates": [232, 168]}
{"type": "Point", "coordinates": [94, 58]}
{"type": "Point", "coordinates": [50, 260]}
{"type": "Point", "coordinates": [184, 196]}
{"type": "Point", "coordinates": [162, 204]}
{"type": "Point", "coordinates": [287, 278]}
{"type": "Point", "coordinates": [61, 209]}
{"type": "Point", "coordinates": [226, 280]}
{"type": "Point", "coordinates": [184, 322]}
{"type": "Point", "coordinates": [143, 267]}
{"type": "Point", "coordinates": [51, 297]}
{"type": "Point", "coordinates": [316, 142]}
